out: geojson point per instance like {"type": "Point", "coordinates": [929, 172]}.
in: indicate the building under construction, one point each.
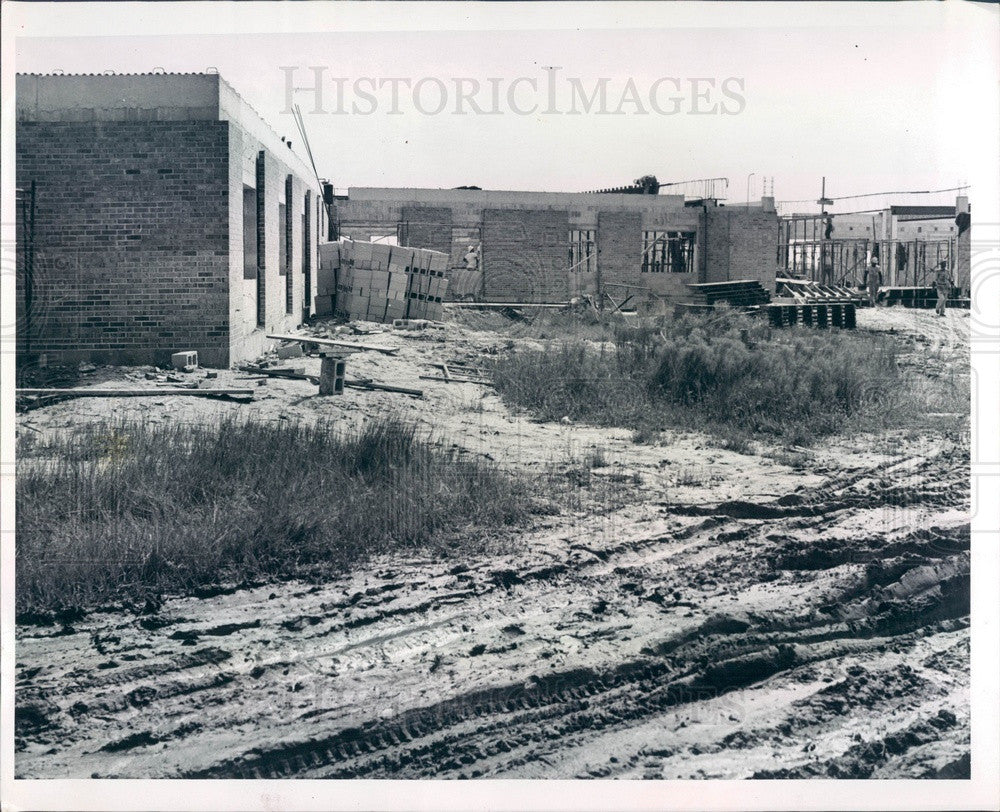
{"type": "Point", "coordinates": [910, 242]}
{"type": "Point", "coordinates": [552, 246]}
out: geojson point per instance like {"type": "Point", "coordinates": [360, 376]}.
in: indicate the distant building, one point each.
{"type": "Point", "coordinates": [167, 216]}
{"type": "Point", "coordinates": [551, 246]}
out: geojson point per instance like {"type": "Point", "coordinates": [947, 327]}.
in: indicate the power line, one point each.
{"type": "Point", "coordinates": [878, 194]}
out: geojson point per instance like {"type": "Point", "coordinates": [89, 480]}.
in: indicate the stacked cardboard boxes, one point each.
{"type": "Point", "coordinates": [380, 282]}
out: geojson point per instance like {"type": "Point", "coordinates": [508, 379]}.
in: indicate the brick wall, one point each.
{"type": "Point", "coordinates": [524, 255]}
{"type": "Point", "coordinates": [741, 244]}
{"type": "Point", "coordinates": [426, 227]}
{"type": "Point", "coordinates": [715, 246]}
{"type": "Point", "coordinates": [753, 246]}
{"type": "Point", "coordinates": [131, 239]}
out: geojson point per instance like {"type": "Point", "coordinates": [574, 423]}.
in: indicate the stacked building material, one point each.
{"type": "Point", "coordinates": [739, 293]}
{"type": "Point", "coordinates": [810, 292]}
{"type": "Point", "coordinates": [788, 312]}
{"type": "Point", "coordinates": [378, 282]}
{"type": "Point", "coordinates": [326, 278]}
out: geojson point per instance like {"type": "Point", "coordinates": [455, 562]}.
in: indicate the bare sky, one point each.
{"type": "Point", "coordinates": [874, 101]}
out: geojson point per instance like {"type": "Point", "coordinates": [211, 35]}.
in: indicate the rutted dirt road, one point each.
{"type": "Point", "coordinates": [746, 618]}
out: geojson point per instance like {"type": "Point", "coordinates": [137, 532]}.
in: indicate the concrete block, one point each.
{"type": "Point", "coordinates": [395, 309]}
{"type": "Point", "coordinates": [401, 255]}
{"type": "Point", "coordinates": [438, 261]}
{"type": "Point", "coordinates": [323, 305]}
{"type": "Point", "coordinates": [291, 351]}
{"type": "Point", "coordinates": [186, 358]}
{"type": "Point", "coordinates": [329, 255]}
{"type": "Point", "coordinates": [380, 256]}
{"type": "Point", "coordinates": [361, 253]}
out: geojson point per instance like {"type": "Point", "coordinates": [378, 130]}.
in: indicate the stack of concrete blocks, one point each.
{"type": "Point", "coordinates": [385, 282]}
{"type": "Point", "coordinates": [327, 278]}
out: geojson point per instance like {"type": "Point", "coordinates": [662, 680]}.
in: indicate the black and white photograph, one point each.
{"type": "Point", "coordinates": [477, 405]}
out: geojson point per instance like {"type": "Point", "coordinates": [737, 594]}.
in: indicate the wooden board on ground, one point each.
{"type": "Point", "coordinates": [134, 393]}
{"type": "Point", "coordinates": [331, 342]}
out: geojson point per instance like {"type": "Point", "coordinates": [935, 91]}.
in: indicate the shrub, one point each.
{"type": "Point", "coordinates": [722, 372]}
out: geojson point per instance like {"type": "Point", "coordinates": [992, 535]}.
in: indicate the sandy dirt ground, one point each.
{"type": "Point", "coordinates": [779, 613]}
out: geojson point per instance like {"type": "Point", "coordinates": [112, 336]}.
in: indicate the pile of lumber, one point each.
{"type": "Point", "coordinates": [805, 290]}
{"type": "Point", "coordinates": [739, 293]}
{"type": "Point", "coordinates": [378, 282]}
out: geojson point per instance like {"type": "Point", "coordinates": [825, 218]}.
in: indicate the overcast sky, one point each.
{"type": "Point", "coordinates": [874, 101]}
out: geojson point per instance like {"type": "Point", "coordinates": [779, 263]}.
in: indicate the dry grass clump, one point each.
{"type": "Point", "coordinates": [720, 372]}
{"type": "Point", "coordinates": [125, 511]}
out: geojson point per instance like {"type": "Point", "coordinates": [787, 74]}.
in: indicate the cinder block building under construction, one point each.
{"type": "Point", "coordinates": [551, 246]}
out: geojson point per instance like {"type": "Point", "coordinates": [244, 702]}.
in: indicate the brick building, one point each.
{"type": "Point", "coordinates": [550, 246]}
{"type": "Point", "coordinates": [166, 216]}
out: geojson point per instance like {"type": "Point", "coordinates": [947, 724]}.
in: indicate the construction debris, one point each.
{"type": "Point", "coordinates": [459, 373]}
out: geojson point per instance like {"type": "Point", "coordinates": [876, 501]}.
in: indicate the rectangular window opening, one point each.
{"type": "Point", "coordinates": [582, 251]}
{"type": "Point", "coordinates": [249, 232]}
{"type": "Point", "coordinates": [668, 251]}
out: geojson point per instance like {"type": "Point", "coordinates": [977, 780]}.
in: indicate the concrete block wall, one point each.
{"type": "Point", "coordinates": [741, 244]}
{"type": "Point", "coordinates": [427, 227]}
{"type": "Point", "coordinates": [131, 239]}
{"type": "Point", "coordinates": [524, 255]}
{"type": "Point", "coordinates": [619, 248]}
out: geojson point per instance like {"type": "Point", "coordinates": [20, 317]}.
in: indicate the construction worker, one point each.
{"type": "Point", "coordinates": [472, 258]}
{"type": "Point", "coordinates": [873, 280]}
{"type": "Point", "coordinates": [942, 283]}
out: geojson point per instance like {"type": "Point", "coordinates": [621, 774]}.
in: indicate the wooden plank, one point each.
{"type": "Point", "coordinates": [366, 384]}
{"type": "Point", "coordinates": [134, 393]}
{"type": "Point", "coordinates": [480, 381]}
{"type": "Point", "coordinates": [353, 383]}
{"type": "Point", "coordinates": [330, 342]}
{"type": "Point", "coordinates": [560, 305]}
{"type": "Point", "coordinates": [278, 373]}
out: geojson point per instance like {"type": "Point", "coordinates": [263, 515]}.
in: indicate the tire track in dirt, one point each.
{"type": "Point", "coordinates": [518, 666]}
